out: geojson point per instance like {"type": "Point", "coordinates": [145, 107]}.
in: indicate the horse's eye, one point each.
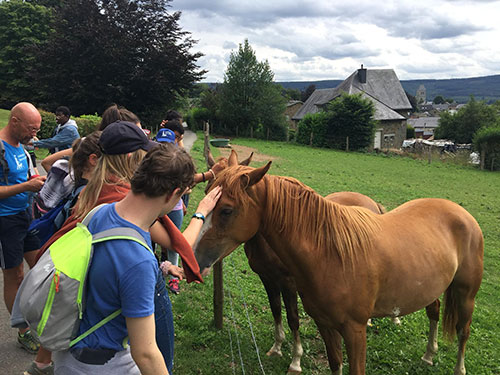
{"type": "Point", "coordinates": [226, 211]}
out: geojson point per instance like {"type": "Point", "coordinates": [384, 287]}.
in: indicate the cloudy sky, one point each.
{"type": "Point", "coordinates": [329, 39]}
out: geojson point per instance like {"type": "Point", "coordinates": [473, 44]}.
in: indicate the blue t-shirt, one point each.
{"type": "Point", "coordinates": [122, 275]}
{"type": "Point", "coordinates": [18, 173]}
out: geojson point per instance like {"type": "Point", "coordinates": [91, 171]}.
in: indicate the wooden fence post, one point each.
{"type": "Point", "coordinates": [311, 139]}
{"type": "Point", "coordinates": [218, 295]}
{"type": "Point", "coordinates": [347, 144]}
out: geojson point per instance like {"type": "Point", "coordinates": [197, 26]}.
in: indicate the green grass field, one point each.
{"type": "Point", "coordinates": [201, 349]}
{"type": "Point", "coordinates": [4, 117]}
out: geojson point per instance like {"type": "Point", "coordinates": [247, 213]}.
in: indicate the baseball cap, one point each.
{"type": "Point", "coordinates": [165, 135]}
{"type": "Point", "coordinates": [122, 137]}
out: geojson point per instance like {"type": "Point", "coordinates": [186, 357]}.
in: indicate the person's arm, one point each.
{"type": "Point", "coordinates": [65, 137]}
{"type": "Point", "coordinates": [51, 159]}
{"type": "Point", "coordinates": [206, 205]}
{"type": "Point", "coordinates": [35, 184]}
{"type": "Point", "coordinates": [145, 352]}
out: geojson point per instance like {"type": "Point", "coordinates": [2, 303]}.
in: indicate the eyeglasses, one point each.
{"type": "Point", "coordinates": [29, 128]}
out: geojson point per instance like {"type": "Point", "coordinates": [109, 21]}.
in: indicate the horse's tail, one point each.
{"type": "Point", "coordinates": [381, 209]}
{"type": "Point", "coordinates": [450, 314]}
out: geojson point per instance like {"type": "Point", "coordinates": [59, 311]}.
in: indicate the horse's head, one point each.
{"type": "Point", "coordinates": [236, 217]}
{"type": "Point", "coordinates": [222, 163]}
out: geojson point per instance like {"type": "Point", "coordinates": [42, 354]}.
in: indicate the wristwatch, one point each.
{"type": "Point", "coordinates": [199, 215]}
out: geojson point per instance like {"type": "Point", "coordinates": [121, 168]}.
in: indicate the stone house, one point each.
{"type": "Point", "coordinates": [383, 88]}
{"type": "Point", "coordinates": [291, 109]}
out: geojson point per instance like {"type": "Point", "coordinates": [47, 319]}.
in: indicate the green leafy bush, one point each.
{"type": "Point", "coordinates": [315, 124]}
{"type": "Point", "coordinates": [48, 124]}
{"type": "Point", "coordinates": [410, 132]}
{"type": "Point", "coordinates": [487, 142]}
{"type": "Point", "coordinates": [350, 116]}
{"type": "Point", "coordinates": [87, 124]}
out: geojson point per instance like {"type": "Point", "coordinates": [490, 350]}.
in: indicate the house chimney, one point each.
{"type": "Point", "coordinates": [362, 74]}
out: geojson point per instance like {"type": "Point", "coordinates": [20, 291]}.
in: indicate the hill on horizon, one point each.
{"type": "Point", "coordinates": [482, 88]}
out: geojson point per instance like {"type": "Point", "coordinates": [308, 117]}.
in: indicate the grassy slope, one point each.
{"type": "Point", "coordinates": [4, 117]}
{"type": "Point", "coordinates": [200, 349]}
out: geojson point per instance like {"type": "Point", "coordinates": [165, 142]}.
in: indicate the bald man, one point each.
{"type": "Point", "coordinates": [15, 241]}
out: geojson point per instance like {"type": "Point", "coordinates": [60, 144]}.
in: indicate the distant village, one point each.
{"type": "Point", "coordinates": [393, 110]}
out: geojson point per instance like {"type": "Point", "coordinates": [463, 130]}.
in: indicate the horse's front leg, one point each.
{"type": "Point", "coordinates": [333, 343]}
{"type": "Point", "coordinates": [289, 294]}
{"type": "Point", "coordinates": [354, 335]}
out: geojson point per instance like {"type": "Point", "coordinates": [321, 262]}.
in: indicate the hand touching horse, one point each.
{"type": "Point", "coordinates": [343, 259]}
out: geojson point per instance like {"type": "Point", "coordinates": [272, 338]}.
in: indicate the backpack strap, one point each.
{"type": "Point", "coordinates": [90, 215]}
{"type": "Point", "coordinates": [31, 167]}
{"type": "Point", "coordinates": [4, 163]}
{"type": "Point", "coordinates": [118, 233]}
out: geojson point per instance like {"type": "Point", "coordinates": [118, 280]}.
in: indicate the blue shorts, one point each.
{"type": "Point", "coordinates": [15, 239]}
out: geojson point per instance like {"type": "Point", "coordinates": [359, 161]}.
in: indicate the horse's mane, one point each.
{"type": "Point", "coordinates": [293, 208]}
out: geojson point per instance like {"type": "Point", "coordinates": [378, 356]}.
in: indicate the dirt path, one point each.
{"type": "Point", "coordinates": [244, 151]}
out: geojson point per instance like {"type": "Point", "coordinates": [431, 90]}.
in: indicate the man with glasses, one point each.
{"type": "Point", "coordinates": [15, 241]}
{"type": "Point", "coordinates": [64, 134]}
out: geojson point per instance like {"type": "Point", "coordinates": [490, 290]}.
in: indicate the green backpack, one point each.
{"type": "Point", "coordinates": [52, 294]}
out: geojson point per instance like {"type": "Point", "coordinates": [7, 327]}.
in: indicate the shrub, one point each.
{"type": "Point", "coordinates": [48, 124]}
{"type": "Point", "coordinates": [87, 124]}
{"type": "Point", "coordinates": [410, 132]}
{"type": "Point", "coordinates": [199, 116]}
{"type": "Point", "coordinates": [487, 142]}
{"type": "Point", "coordinates": [350, 116]}
{"type": "Point", "coordinates": [315, 124]}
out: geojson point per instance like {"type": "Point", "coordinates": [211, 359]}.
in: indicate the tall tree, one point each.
{"type": "Point", "coordinates": [22, 26]}
{"type": "Point", "coordinates": [462, 125]}
{"type": "Point", "coordinates": [308, 91]}
{"type": "Point", "coordinates": [130, 52]}
{"type": "Point", "coordinates": [248, 93]}
{"type": "Point", "coordinates": [350, 116]}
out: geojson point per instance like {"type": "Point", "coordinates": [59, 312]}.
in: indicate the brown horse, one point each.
{"type": "Point", "coordinates": [343, 259]}
{"type": "Point", "coordinates": [278, 282]}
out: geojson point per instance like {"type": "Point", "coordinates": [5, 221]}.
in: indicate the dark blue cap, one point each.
{"type": "Point", "coordinates": [122, 137]}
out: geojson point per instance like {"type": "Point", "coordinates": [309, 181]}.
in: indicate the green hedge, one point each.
{"type": "Point", "coordinates": [86, 124]}
{"type": "Point", "coordinates": [487, 142]}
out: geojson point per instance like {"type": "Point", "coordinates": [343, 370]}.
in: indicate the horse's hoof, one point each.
{"type": "Point", "coordinates": [369, 323]}
{"type": "Point", "coordinates": [294, 372]}
{"type": "Point", "coordinates": [396, 321]}
{"type": "Point", "coordinates": [427, 360]}
{"type": "Point", "coordinates": [274, 353]}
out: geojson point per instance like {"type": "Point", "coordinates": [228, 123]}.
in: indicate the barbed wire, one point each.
{"type": "Point", "coordinates": [233, 321]}
{"type": "Point", "coordinates": [243, 299]}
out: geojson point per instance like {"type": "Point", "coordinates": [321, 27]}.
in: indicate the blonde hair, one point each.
{"type": "Point", "coordinates": [111, 169]}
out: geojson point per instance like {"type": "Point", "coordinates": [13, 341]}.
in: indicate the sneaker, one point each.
{"type": "Point", "coordinates": [28, 342]}
{"type": "Point", "coordinates": [35, 370]}
{"type": "Point", "coordinates": [173, 285]}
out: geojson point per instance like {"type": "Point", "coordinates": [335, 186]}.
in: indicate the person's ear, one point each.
{"type": "Point", "coordinates": [93, 159]}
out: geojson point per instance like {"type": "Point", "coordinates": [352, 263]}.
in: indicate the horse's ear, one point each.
{"type": "Point", "coordinates": [210, 159]}
{"type": "Point", "coordinates": [233, 158]}
{"type": "Point", "coordinates": [247, 160]}
{"type": "Point", "coordinates": [256, 175]}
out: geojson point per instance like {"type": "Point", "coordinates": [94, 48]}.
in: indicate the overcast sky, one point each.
{"type": "Point", "coordinates": [329, 39]}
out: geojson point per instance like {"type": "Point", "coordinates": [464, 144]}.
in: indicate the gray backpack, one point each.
{"type": "Point", "coordinates": [52, 294]}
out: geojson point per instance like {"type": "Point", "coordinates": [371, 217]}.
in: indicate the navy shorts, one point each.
{"type": "Point", "coordinates": [15, 239]}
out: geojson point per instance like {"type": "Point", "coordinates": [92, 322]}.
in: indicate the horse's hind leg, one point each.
{"type": "Point", "coordinates": [432, 345]}
{"type": "Point", "coordinates": [463, 332]}
{"type": "Point", "coordinates": [333, 343]}
{"type": "Point", "coordinates": [292, 315]}
{"type": "Point", "coordinates": [274, 296]}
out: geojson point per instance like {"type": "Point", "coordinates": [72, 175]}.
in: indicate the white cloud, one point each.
{"type": "Point", "coordinates": [321, 39]}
